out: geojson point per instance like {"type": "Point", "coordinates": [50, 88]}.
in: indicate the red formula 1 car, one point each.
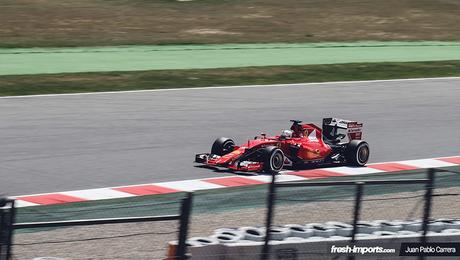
{"type": "Point", "coordinates": [303, 144]}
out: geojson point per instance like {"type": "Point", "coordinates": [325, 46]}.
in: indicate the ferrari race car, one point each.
{"type": "Point", "coordinates": [338, 142]}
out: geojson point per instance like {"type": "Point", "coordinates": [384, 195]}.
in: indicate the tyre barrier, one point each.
{"type": "Point", "coordinates": [393, 226]}
{"type": "Point", "coordinates": [317, 248]}
{"type": "Point", "coordinates": [450, 223]}
{"type": "Point", "coordinates": [202, 241]}
{"type": "Point", "coordinates": [384, 233]}
{"type": "Point", "coordinates": [412, 225]}
{"type": "Point", "coordinates": [278, 233]}
{"type": "Point", "coordinates": [236, 235]}
{"type": "Point", "coordinates": [299, 231]}
{"type": "Point", "coordinates": [435, 226]}
{"type": "Point", "coordinates": [226, 238]}
{"type": "Point", "coordinates": [367, 227]}
{"type": "Point", "coordinates": [245, 239]}
{"type": "Point", "coordinates": [321, 230]}
{"type": "Point", "coordinates": [253, 233]}
{"type": "Point", "coordinates": [341, 229]}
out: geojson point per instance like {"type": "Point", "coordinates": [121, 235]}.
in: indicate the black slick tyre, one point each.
{"type": "Point", "coordinates": [222, 146]}
{"type": "Point", "coordinates": [357, 153]}
{"type": "Point", "coordinates": [273, 159]}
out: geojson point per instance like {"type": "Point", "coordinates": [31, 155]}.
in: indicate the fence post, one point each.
{"type": "Point", "coordinates": [7, 217]}
{"type": "Point", "coordinates": [3, 228]}
{"type": "Point", "coordinates": [185, 211]}
{"type": "Point", "coordinates": [269, 218]}
{"type": "Point", "coordinates": [427, 209]}
{"type": "Point", "coordinates": [356, 213]}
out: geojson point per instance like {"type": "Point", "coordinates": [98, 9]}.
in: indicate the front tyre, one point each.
{"type": "Point", "coordinates": [273, 159]}
{"type": "Point", "coordinates": [222, 146]}
{"type": "Point", "coordinates": [357, 153]}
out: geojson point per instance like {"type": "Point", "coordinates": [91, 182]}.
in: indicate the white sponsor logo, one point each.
{"type": "Point", "coordinates": [361, 250]}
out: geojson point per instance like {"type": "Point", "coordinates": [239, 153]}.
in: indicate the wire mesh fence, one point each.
{"type": "Point", "coordinates": [87, 242]}
{"type": "Point", "coordinates": [118, 241]}
{"type": "Point", "coordinates": [313, 204]}
{"type": "Point", "coordinates": [236, 207]}
{"type": "Point", "coordinates": [401, 205]}
{"type": "Point", "coordinates": [446, 199]}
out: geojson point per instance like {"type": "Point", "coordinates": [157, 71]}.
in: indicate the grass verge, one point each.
{"type": "Point", "coordinates": [54, 23]}
{"type": "Point", "coordinates": [162, 79]}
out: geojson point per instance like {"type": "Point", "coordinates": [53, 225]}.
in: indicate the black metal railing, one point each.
{"type": "Point", "coordinates": [7, 225]}
{"type": "Point", "coordinates": [7, 215]}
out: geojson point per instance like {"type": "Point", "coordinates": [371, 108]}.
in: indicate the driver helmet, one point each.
{"type": "Point", "coordinates": [286, 134]}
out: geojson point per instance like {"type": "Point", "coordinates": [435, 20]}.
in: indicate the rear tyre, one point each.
{"type": "Point", "coordinates": [357, 153]}
{"type": "Point", "coordinates": [273, 159]}
{"type": "Point", "coordinates": [222, 146]}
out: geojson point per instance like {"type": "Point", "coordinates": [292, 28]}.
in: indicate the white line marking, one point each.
{"type": "Point", "coordinates": [427, 163]}
{"type": "Point", "coordinates": [227, 87]}
{"type": "Point", "coordinates": [98, 194]}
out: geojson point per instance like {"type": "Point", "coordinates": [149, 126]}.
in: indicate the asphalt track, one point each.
{"type": "Point", "coordinates": [17, 61]}
{"type": "Point", "coordinates": [57, 143]}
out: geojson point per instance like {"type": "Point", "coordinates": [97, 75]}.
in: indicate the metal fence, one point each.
{"type": "Point", "coordinates": [7, 213]}
{"type": "Point", "coordinates": [8, 225]}
{"type": "Point", "coordinates": [359, 188]}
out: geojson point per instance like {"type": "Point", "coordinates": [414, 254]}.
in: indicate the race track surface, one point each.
{"type": "Point", "coordinates": [57, 143]}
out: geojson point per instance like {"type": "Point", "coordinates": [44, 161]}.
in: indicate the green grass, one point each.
{"type": "Point", "coordinates": [162, 79]}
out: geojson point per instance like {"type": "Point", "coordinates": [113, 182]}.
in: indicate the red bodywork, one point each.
{"type": "Point", "coordinates": [307, 138]}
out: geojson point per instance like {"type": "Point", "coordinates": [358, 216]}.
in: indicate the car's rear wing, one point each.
{"type": "Point", "coordinates": [354, 129]}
